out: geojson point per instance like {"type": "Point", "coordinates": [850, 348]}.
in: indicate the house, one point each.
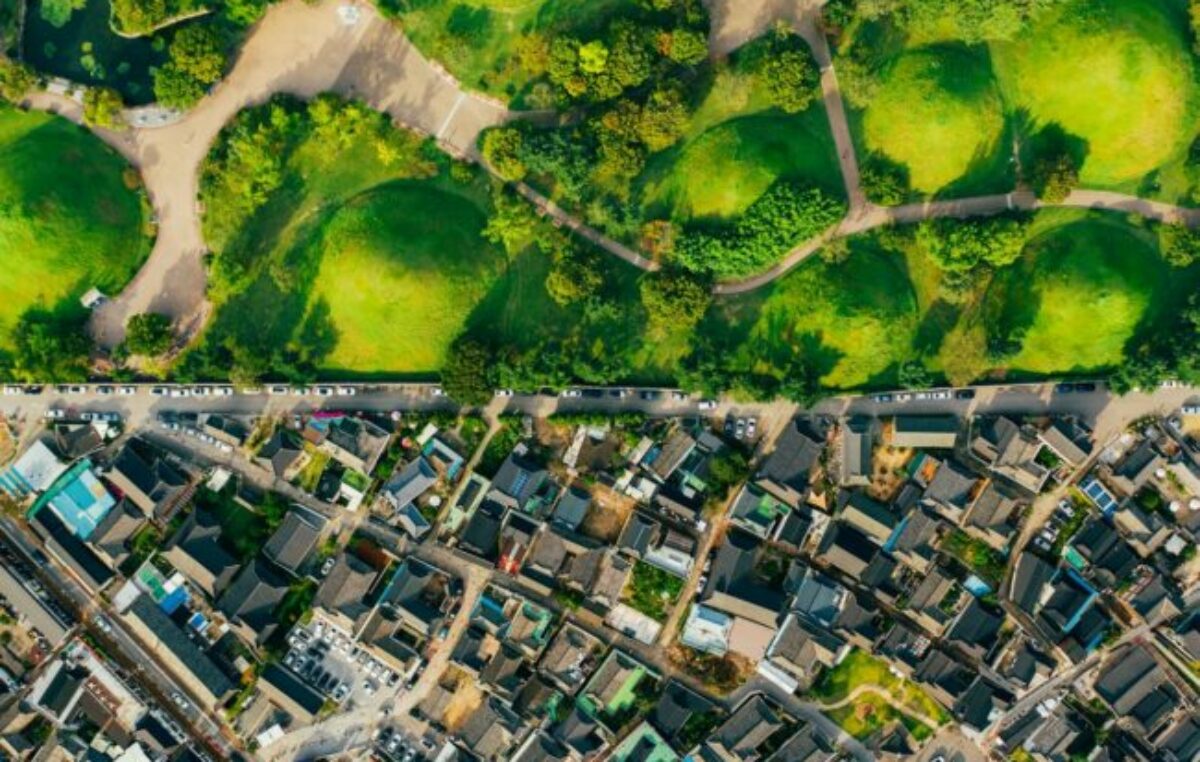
{"type": "Point", "coordinates": [951, 490]}
{"type": "Point", "coordinates": [539, 747]}
{"type": "Point", "coordinates": [251, 599]}
{"type": "Point", "coordinates": [78, 499]}
{"type": "Point", "coordinates": [946, 679]}
{"type": "Point", "coordinates": [141, 473]}
{"type": "Point", "coordinates": [285, 690]}
{"type": "Point", "coordinates": [444, 458]}
{"type": "Point", "coordinates": [992, 516]}
{"type": "Point", "coordinates": [644, 743]}
{"type": "Point", "coordinates": [912, 542]}
{"type": "Point", "coordinates": [1136, 468]}
{"type": "Point", "coordinates": [187, 661]}
{"type": "Point", "coordinates": [33, 472]}
{"type": "Point", "coordinates": [924, 432]}
{"type": "Point", "coordinates": [612, 687]}
{"type": "Point", "coordinates": [282, 454]}
{"type": "Point", "coordinates": [408, 483]}
{"type": "Point", "coordinates": [195, 551]}
{"type": "Point", "coordinates": [63, 544]}
{"type": "Point", "coordinates": [1181, 741]}
{"type": "Point", "coordinates": [1068, 439]}
{"type": "Point", "coordinates": [933, 601]}
{"type": "Point", "coordinates": [981, 704]}
{"type": "Point", "coordinates": [491, 732]}
{"type": "Point", "coordinates": [793, 465]}
{"type": "Point", "coordinates": [976, 630]}
{"type": "Point", "coordinates": [1029, 579]}
{"type": "Point", "coordinates": [791, 533]}
{"type": "Point", "coordinates": [523, 482]}
{"type": "Point", "coordinates": [481, 536]}
{"type": "Point", "coordinates": [639, 534]}
{"type": "Point", "coordinates": [846, 548]}
{"type": "Point", "coordinates": [858, 448]}
{"type": "Point", "coordinates": [421, 595]}
{"type": "Point", "coordinates": [1103, 551]}
{"type": "Point", "coordinates": [681, 504]}
{"type": "Point", "coordinates": [707, 630]}
{"type": "Point", "coordinates": [740, 736]}
{"type": "Point", "coordinates": [505, 672]}
{"type": "Point", "coordinates": [664, 460]}
{"type": "Point", "coordinates": [802, 649]}
{"type": "Point", "coordinates": [582, 734]}
{"type": "Point", "coordinates": [354, 442]}
{"type": "Point", "coordinates": [818, 598]}
{"type": "Point", "coordinates": [293, 541]}
{"type": "Point", "coordinates": [871, 518]}
{"type": "Point", "coordinates": [78, 440]}
{"type": "Point", "coordinates": [343, 590]}
{"type": "Point", "coordinates": [571, 657]}
{"type": "Point", "coordinates": [223, 428]}
{"type": "Point", "coordinates": [1137, 689]}
{"type": "Point", "coordinates": [676, 707]}
{"type": "Point", "coordinates": [1009, 451]}
{"type": "Point", "coordinates": [516, 537]}
{"type": "Point", "coordinates": [572, 508]}
{"type": "Point", "coordinates": [1145, 532]}
{"type": "Point", "coordinates": [756, 511]}
{"type": "Point", "coordinates": [111, 537]}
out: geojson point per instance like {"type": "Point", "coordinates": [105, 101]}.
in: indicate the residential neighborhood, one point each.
{"type": "Point", "coordinates": [588, 585]}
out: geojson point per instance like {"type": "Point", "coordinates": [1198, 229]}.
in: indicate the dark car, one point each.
{"type": "Point", "coordinates": [1064, 388]}
{"type": "Point", "coordinates": [650, 395]}
{"type": "Point", "coordinates": [965, 394]}
{"type": "Point", "coordinates": [593, 393]}
{"type": "Point", "coordinates": [1085, 386]}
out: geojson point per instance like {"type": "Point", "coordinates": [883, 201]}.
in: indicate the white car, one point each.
{"type": "Point", "coordinates": [178, 391]}
{"type": "Point", "coordinates": [751, 427]}
{"type": "Point", "coordinates": [11, 390]}
{"type": "Point", "coordinates": [55, 413]}
{"type": "Point", "coordinates": [223, 391]}
{"type": "Point", "coordinates": [324, 391]}
{"type": "Point", "coordinates": [346, 391]}
{"type": "Point", "coordinates": [438, 391]}
{"type": "Point", "coordinates": [923, 396]}
{"type": "Point", "coordinates": [707, 405]}
{"type": "Point", "coordinates": [299, 391]}
{"type": "Point", "coordinates": [942, 395]}
{"type": "Point", "coordinates": [504, 392]}
{"type": "Point", "coordinates": [126, 391]}
{"type": "Point", "coordinates": [903, 397]}
{"type": "Point", "coordinates": [1190, 410]}
{"type": "Point", "coordinates": [679, 396]}
{"type": "Point", "coordinates": [571, 393]}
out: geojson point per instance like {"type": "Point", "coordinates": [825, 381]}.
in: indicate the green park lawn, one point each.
{"type": "Point", "coordinates": [726, 167]}
{"type": "Point", "coordinates": [937, 112]}
{"type": "Point", "coordinates": [68, 219]}
{"type": "Point", "coordinates": [858, 318]}
{"type": "Point", "coordinates": [859, 669]}
{"type": "Point", "coordinates": [1117, 75]}
{"type": "Point", "coordinates": [1084, 288]}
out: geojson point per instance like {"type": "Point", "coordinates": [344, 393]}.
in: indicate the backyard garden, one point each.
{"type": "Point", "coordinates": [862, 695]}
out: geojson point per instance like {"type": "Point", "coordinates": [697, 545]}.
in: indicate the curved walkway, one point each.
{"type": "Point", "coordinates": [305, 50]}
{"type": "Point", "coordinates": [297, 48]}
{"type": "Point", "coordinates": [888, 698]}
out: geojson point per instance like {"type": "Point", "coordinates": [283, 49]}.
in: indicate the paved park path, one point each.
{"type": "Point", "coordinates": [297, 48]}
{"type": "Point", "coordinates": [306, 49]}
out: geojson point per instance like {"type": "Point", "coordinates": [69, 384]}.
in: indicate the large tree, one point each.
{"type": "Point", "coordinates": [467, 376]}
{"type": "Point", "coordinates": [148, 334]}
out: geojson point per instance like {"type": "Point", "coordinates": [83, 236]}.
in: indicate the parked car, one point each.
{"type": "Point", "coordinates": [679, 396]}
{"type": "Point", "coordinates": [346, 391]}
{"type": "Point", "coordinates": [55, 413]}
{"type": "Point", "coordinates": [650, 395]}
{"type": "Point", "coordinates": [105, 390]}
{"type": "Point", "coordinates": [944, 394]}
{"type": "Point", "coordinates": [1086, 387]}
{"type": "Point", "coordinates": [12, 390]}
{"type": "Point", "coordinates": [707, 405]}
{"type": "Point", "coordinates": [324, 391]}
{"type": "Point", "coordinates": [223, 391]}
{"type": "Point", "coordinates": [277, 390]}
{"type": "Point", "coordinates": [571, 393]}
{"type": "Point", "coordinates": [126, 391]}
{"type": "Point", "coordinates": [965, 394]}
{"type": "Point", "coordinates": [177, 391]}
{"type": "Point", "coordinates": [740, 430]}
{"type": "Point", "coordinates": [903, 397]}
{"type": "Point", "coordinates": [751, 427]}
{"type": "Point", "coordinates": [882, 398]}
{"type": "Point", "coordinates": [437, 391]}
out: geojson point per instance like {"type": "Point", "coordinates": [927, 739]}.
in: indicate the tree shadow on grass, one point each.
{"type": "Point", "coordinates": [1045, 141]}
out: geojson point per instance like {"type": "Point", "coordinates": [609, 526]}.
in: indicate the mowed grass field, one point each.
{"type": "Point", "coordinates": [725, 168]}
{"type": "Point", "coordinates": [68, 221]}
{"type": "Point", "coordinates": [1081, 291]}
{"type": "Point", "coordinates": [939, 113]}
{"type": "Point", "coordinates": [401, 268]}
{"type": "Point", "coordinates": [1116, 74]}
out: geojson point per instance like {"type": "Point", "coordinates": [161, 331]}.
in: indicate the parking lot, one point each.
{"type": "Point", "coordinates": [391, 743]}
{"type": "Point", "coordinates": [327, 658]}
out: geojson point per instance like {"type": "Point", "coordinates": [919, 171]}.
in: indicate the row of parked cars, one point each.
{"type": "Point", "coordinates": [1054, 527]}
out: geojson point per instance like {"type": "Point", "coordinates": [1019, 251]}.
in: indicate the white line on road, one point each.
{"type": "Point", "coordinates": [457, 103]}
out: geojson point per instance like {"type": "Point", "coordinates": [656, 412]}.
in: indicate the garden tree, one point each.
{"type": "Point", "coordinates": [835, 251]}
{"type": "Point", "coordinates": [1180, 245]}
{"type": "Point", "coordinates": [884, 181]}
{"type": "Point", "coordinates": [244, 12]}
{"type": "Point", "coordinates": [787, 72]}
{"type": "Point", "coordinates": [196, 60]}
{"type": "Point", "coordinates": [467, 376]}
{"type": "Point", "coordinates": [962, 245]}
{"type": "Point", "coordinates": [50, 346]}
{"type": "Point", "coordinates": [533, 54]}
{"type": "Point", "coordinates": [784, 216]}
{"type": "Point", "coordinates": [502, 149]}
{"type": "Point", "coordinates": [1194, 18]}
{"type": "Point", "coordinates": [1055, 176]}
{"type": "Point", "coordinates": [593, 57]}
{"type": "Point", "coordinates": [138, 16]}
{"type": "Point", "coordinates": [148, 334]}
{"type": "Point", "coordinates": [912, 375]}
{"type": "Point", "coordinates": [102, 108]}
{"type": "Point", "coordinates": [956, 286]}
{"type": "Point", "coordinates": [575, 275]}
{"type": "Point", "coordinates": [964, 357]}
{"type": "Point", "coordinates": [687, 46]}
{"type": "Point", "coordinates": [674, 300]}
{"type": "Point", "coordinates": [57, 13]}
{"type": "Point", "coordinates": [663, 119]}
{"type": "Point", "coordinates": [657, 239]}
{"type": "Point", "coordinates": [16, 79]}
{"type": "Point", "coordinates": [513, 222]}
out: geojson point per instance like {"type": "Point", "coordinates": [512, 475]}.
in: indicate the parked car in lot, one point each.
{"type": "Point", "coordinates": [707, 405]}
{"type": "Point", "coordinates": [105, 390]}
{"type": "Point", "coordinates": [903, 397]}
{"type": "Point", "coordinates": [571, 393]}
{"type": "Point", "coordinates": [12, 390]}
{"type": "Point", "coordinates": [223, 391]}
{"type": "Point", "coordinates": [126, 391]}
{"type": "Point", "coordinates": [158, 391]}
{"type": "Point", "coordinates": [943, 394]}
{"type": "Point", "coordinates": [178, 391]}
{"type": "Point", "coordinates": [965, 394]}
{"type": "Point", "coordinates": [346, 391]}
{"type": "Point", "coordinates": [324, 391]}
{"type": "Point", "coordinates": [882, 398]}
{"type": "Point", "coordinates": [751, 427]}
{"type": "Point", "coordinates": [277, 390]}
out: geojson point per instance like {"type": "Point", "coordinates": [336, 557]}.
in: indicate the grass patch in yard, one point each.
{"type": "Point", "coordinates": [979, 557]}
{"type": "Point", "coordinates": [652, 591]}
{"type": "Point", "coordinates": [870, 713]}
{"type": "Point", "coordinates": [69, 218]}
